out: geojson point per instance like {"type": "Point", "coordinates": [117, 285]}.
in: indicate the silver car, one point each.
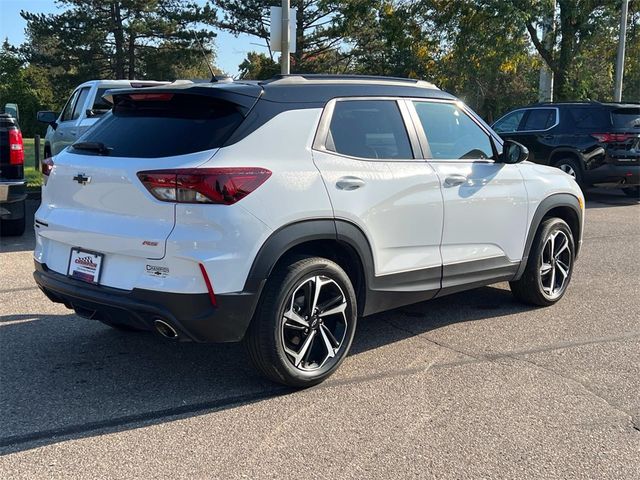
{"type": "Point", "coordinates": [83, 108]}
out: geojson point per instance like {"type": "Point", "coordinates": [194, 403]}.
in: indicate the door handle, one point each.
{"type": "Point", "coordinates": [349, 183]}
{"type": "Point", "coordinates": [73, 132]}
{"type": "Point", "coordinates": [453, 180]}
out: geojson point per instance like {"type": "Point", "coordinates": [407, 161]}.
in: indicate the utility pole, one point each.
{"type": "Point", "coordinates": [284, 59]}
{"type": "Point", "coordinates": [617, 92]}
{"type": "Point", "coordinates": [545, 85]}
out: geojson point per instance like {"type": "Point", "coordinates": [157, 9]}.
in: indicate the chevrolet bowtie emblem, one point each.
{"type": "Point", "coordinates": [82, 179]}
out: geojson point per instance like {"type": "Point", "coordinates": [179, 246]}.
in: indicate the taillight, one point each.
{"type": "Point", "coordinates": [47, 166]}
{"type": "Point", "coordinates": [16, 147]}
{"type": "Point", "coordinates": [613, 137]}
{"type": "Point", "coordinates": [223, 186]}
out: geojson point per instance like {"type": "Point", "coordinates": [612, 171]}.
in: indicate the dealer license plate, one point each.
{"type": "Point", "coordinates": [85, 265]}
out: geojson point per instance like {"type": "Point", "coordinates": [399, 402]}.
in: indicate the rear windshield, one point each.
{"type": "Point", "coordinates": [155, 125]}
{"type": "Point", "coordinates": [626, 118]}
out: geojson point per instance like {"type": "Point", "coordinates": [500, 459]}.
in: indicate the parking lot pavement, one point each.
{"type": "Point", "coordinates": [473, 385]}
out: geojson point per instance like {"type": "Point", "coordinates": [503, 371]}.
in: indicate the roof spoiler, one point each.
{"type": "Point", "coordinates": [244, 96]}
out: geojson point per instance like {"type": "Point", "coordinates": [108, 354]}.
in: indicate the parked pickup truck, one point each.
{"type": "Point", "coordinates": [83, 108]}
{"type": "Point", "coordinates": [12, 183]}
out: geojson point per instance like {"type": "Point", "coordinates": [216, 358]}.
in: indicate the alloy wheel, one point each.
{"type": "Point", "coordinates": [556, 264]}
{"type": "Point", "coordinates": [568, 169]}
{"type": "Point", "coordinates": [314, 324]}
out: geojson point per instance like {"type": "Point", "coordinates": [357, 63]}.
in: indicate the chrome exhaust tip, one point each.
{"type": "Point", "coordinates": [164, 329]}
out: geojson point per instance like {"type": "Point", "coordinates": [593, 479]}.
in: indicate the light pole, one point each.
{"type": "Point", "coordinates": [284, 60]}
{"type": "Point", "coordinates": [545, 85]}
{"type": "Point", "coordinates": [617, 92]}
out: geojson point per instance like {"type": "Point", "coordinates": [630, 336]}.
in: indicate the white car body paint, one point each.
{"type": "Point", "coordinates": [410, 219]}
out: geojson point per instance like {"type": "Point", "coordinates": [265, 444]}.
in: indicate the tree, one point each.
{"type": "Point", "coordinates": [385, 37]}
{"type": "Point", "coordinates": [578, 23]}
{"type": "Point", "coordinates": [316, 41]}
{"type": "Point", "coordinates": [26, 85]}
{"type": "Point", "coordinates": [481, 57]}
{"type": "Point", "coordinates": [258, 66]}
{"type": "Point", "coordinates": [118, 38]}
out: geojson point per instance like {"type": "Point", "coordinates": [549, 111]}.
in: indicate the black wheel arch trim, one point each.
{"type": "Point", "coordinates": [545, 206]}
{"type": "Point", "coordinates": [559, 153]}
{"type": "Point", "coordinates": [377, 293]}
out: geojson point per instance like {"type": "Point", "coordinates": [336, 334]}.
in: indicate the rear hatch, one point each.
{"type": "Point", "coordinates": [93, 198]}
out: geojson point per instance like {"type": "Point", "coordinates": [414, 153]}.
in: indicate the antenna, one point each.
{"type": "Point", "coordinates": [206, 60]}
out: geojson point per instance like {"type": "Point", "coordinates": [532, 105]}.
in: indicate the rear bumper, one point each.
{"type": "Point", "coordinates": [192, 315]}
{"type": "Point", "coordinates": [12, 195]}
{"type": "Point", "coordinates": [614, 175]}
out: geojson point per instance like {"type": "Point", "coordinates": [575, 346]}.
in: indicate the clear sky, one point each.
{"type": "Point", "coordinates": [231, 50]}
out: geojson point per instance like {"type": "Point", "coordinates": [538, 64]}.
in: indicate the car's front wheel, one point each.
{"type": "Point", "coordinates": [549, 266]}
{"type": "Point", "coordinates": [305, 322]}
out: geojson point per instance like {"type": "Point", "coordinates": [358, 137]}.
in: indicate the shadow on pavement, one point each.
{"type": "Point", "coordinates": [64, 377]}
{"type": "Point", "coordinates": [605, 198]}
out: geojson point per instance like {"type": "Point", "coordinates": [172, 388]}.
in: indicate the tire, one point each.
{"type": "Point", "coordinates": [533, 287]}
{"type": "Point", "coordinates": [302, 349]}
{"type": "Point", "coordinates": [13, 228]}
{"type": "Point", "coordinates": [632, 192]}
{"type": "Point", "coordinates": [121, 327]}
{"type": "Point", "coordinates": [572, 167]}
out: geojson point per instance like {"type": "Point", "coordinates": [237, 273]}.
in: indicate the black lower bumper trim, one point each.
{"type": "Point", "coordinates": [621, 175]}
{"type": "Point", "coordinates": [191, 314]}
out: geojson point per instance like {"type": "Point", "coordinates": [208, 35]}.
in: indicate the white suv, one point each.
{"type": "Point", "coordinates": [280, 212]}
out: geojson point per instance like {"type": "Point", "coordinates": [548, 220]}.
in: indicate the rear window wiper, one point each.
{"type": "Point", "coordinates": [98, 147]}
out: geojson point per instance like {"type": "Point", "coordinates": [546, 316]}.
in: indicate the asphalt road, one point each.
{"type": "Point", "coordinates": [469, 386]}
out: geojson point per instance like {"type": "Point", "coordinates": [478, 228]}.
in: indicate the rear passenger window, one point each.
{"type": "Point", "coordinates": [509, 123]}
{"type": "Point", "coordinates": [451, 133]}
{"type": "Point", "coordinates": [590, 118]}
{"type": "Point", "coordinates": [82, 99]}
{"type": "Point", "coordinates": [539, 119]}
{"type": "Point", "coordinates": [368, 129]}
{"type": "Point", "coordinates": [67, 112]}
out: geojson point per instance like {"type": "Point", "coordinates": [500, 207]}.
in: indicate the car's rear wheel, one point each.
{"type": "Point", "coordinates": [570, 166]}
{"type": "Point", "coordinates": [305, 323]}
{"type": "Point", "coordinates": [633, 192]}
{"type": "Point", "coordinates": [549, 267]}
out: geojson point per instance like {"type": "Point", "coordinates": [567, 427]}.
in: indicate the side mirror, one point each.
{"type": "Point", "coordinates": [513, 152]}
{"type": "Point", "coordinates": [47, 116]}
